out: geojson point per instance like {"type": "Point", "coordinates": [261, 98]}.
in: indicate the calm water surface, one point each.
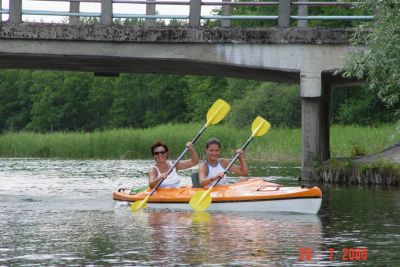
{"type": "Point", "coordinates": [60, 213]}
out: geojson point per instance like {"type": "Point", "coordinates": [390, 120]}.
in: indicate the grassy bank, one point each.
{"type": "Point", "coordinates": [277, 144]}
{"type": "Point", "coordinates": [349, 172]}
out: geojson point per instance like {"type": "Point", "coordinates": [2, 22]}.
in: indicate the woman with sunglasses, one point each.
{"type": "Point", "coordinates": [213, 166]}
{"type": "Point", "coordinates": [159, 171]}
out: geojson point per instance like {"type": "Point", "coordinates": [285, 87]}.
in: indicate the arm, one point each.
{"type": "Point", "coordinates": [153, 180]}
{"type": "Point", "coordinates": [204, 181]}
{"type": "Point", "coordinates": [242, 169]}
{"type": "Point", "coordinates": [194, 158]}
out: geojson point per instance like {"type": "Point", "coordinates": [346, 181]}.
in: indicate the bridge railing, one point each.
{"type": "Point", "coordinates": [282, 17]}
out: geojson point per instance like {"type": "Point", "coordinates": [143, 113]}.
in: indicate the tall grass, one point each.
{"type": "Point", "coordinates": [278, 144]}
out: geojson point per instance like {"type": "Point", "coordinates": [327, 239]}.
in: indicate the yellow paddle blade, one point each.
{"type": "Point", "coordinates": [137, 205]}
{"type": "Point", "coordinates": [200, 201]}
{"type": "Point", "coordinates": [217, 112]}
{"type": "Point", "coordinates": [260, 126]}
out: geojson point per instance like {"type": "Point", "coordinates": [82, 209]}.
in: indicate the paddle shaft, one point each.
{"type": "Point", "coordinates": [177, 160]}
{"type": "Point", "coordinates": [233, 160]}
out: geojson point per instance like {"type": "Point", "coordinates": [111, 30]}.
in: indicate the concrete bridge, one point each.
{"type": "Point", "coordinates": [302, 55]}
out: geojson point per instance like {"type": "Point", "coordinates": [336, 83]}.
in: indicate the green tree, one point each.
{"type": "Point", "coordinates": [166, 98]}
{"type": "Point", "coordinates": [280, 104]}
{"type": "Point", "coordinates": [47, 107]}
{"type": "Point", "coordinates": [378, 61]}
{"type": "Point", "coordinates": [15, 102]}
{"type": "Point", "coordinates": [359, 105]}
{"type": "Point", "coordinates": [129, 101]}
{"type": "Point", "coordinates": [203, 91]}
{"type": "Point", "coordinates": [99, 102]}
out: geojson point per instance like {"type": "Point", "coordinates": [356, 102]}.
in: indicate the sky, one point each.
{"type": "Point", "coordinates": [95, 7]}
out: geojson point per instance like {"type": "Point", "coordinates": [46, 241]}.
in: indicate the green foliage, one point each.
{"type": "Point", "coordinates": [358, 105]}
{"type": "Point", "coordinates": [254, 11]}
{"type": "Point", "coordinates": [89, 20]}
{"type": "Point", "coordinates": [378, 62]}
{"type": "Point", "coordinates": [347, 141]}
{"type": "Point", "coordinates": [177, 23]}
{"type": "Point", "coordinates": [279, 144]}
{"type": "Point", "coordinates": [69, 101]}
{"type": "Point", "coordinates": [15, 101]}
{"type": "Point", "coordinates": [350, 172]}
{"type": "Point", "coordinates": [335, 11]}
{"type": "Point", "coordinates": [203, 92]}
{"type": "Point", "coordinates": [280, 104]}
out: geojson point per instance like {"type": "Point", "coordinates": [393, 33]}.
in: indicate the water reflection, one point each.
{"type": "Point", "coordinates": [232, 238]}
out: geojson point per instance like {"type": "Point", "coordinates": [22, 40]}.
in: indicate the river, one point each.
{"type": "Point", "coordinates": [60, 213]}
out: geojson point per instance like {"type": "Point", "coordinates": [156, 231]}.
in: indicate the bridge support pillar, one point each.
{"type": "Point", "coordinates": [315, 104]}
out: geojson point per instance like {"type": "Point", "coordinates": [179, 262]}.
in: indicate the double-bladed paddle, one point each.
{"type": "Point", "coordinates": [202, 199]}
{"type": "Point", "coordinates": [215, 114]}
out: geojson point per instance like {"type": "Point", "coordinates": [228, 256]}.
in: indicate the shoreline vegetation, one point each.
{"type": "Point", "coordinates": [366, 173]}
{"type": "Point", "coordinates": [279, 144]}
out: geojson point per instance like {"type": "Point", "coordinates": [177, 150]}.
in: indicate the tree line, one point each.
{"type": "Point", "coordinates": [74, 101]}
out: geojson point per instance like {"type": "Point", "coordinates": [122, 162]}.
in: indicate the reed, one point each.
{"type": "Point", "coordinates": [279, 144]}
{"type": "Point", "coordinates": [349, 172]}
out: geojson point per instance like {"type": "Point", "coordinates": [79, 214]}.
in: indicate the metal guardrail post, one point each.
{"type": "Point", "coordinates": [106, 12]}
{"type": "Point", "coordinates": [284, 13]}
{"type": "Point", "coordinates": [15, 11]}
{"type": "Point", "coordinates": [226, 11]}
{"type": "Point", "coordinates": [74, 8]}
{"type": "Point", "coordinates": [150, 10]}
{"type": "Point", "coordinates": [302, 11]}
{"type": "Point", "coordinates": [194, 13]}
{"type": "Point", "coordinates": [1, 15]}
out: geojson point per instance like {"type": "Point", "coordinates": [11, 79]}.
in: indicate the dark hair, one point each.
{"type": "Point", "coordinates": [213, 141]}
{"type": "Point", "coordinates": [157, 144]}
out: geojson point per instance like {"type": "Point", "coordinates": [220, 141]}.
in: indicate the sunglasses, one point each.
{"type": "Point", "coordinates": [159, 152]}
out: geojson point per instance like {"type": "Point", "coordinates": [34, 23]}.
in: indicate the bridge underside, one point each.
{"type": "Point", "coordinates": [99, 64]}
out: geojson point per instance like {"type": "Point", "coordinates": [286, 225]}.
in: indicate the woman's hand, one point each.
{"type": "Point", "coordinates": [214, 178]}
{"type": "Point", "coordinates": [163, 176]}
{"type": "Point", "coordinates": [241, 152]}
{"type": "Point", "coordinates": [189, 145]}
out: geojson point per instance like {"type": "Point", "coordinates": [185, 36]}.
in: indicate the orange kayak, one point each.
{"type": "Point", "coordinates": [253, 195]}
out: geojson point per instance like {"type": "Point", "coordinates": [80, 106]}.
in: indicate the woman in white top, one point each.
{"type": "Point", "coordinates": [158, 171]}
{"type": "Point", "coordinates": [213, 166]}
